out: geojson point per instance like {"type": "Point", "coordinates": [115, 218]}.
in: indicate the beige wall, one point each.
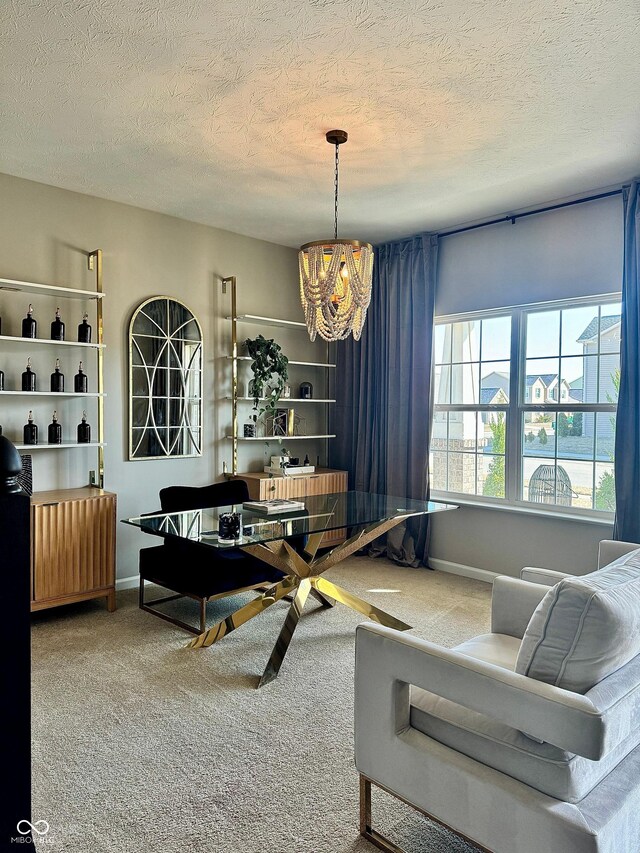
{"type": "Point", "coordinates": [44, 233]}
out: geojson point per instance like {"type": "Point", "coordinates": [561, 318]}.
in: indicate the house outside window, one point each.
{"type": "Point", "coordinates": [525, 406]}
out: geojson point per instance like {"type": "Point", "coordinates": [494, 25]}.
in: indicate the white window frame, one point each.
{"type": "Point", "coordinates": [517, 406]}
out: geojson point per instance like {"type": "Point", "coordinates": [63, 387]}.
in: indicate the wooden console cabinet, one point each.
{"type": "Point", "coordinates": [324, 481]}
{"type": "Point", "coordinates": [73, 535]}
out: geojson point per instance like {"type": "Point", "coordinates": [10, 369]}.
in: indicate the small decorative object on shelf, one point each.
{"type": "Point", "coordinates": [80, 384]}
{"type": "Point", "coordinates": [57, 379]}
{"type": "Point", "coordinates": [249, 429]}
{"type": "Point", "coordinates": [29, 325]}
{"type": "Point", "coordinates": [306, 391]}
{"type": "Point", "coordinates": [54, 433]}
{"type": "Point", "coordinates": [306, 459]}
{"type": "Point", "coordinates": [28, 378]}
{"type": "Point", "coordinates": [229, 527]}
{"type": "Point", "coordinates": [57, 328]}
{"type": "Point", "coordinates": [286, 392]}
{"type": "Point", "coordinates": [84, 430]}
{"type": "Point", "coordinates": [84, 330]}
{"type": "Point", "coordinates": [30, 431]}
{"type": "Point", "coordinates": [1, 380]}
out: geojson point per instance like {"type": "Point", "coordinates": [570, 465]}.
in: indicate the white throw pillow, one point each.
{"type": "Point", "coordinates": [585, 627]}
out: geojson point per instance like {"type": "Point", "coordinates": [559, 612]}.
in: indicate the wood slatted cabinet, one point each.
{"type": "Point", "coordinates": [324, 481]}
{"type": "Point", "coordinates": [73, 536]}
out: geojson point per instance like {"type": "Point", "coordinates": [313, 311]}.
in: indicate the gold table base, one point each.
{"type": "Point", "coordinates": [302, 577]}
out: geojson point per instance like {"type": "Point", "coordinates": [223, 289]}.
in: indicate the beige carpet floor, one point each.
{"type": "Point", "coordinates": [142, 745]}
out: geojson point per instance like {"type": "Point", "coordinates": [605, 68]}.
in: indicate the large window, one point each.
{"type": "Point", "coordinates": [525, 406]}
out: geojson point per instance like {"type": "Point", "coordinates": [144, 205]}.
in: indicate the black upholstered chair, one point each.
{"type": "Point", "coordinates": [198, 571]}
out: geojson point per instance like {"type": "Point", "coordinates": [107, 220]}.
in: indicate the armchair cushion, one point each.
{"type": "Point", "coordinates": [585, 628]}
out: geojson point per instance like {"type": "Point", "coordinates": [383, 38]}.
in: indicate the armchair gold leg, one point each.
{"type": "Point", "coordinates": [382, 843]}
{"type": "Point", "coordinates": [366, 830]}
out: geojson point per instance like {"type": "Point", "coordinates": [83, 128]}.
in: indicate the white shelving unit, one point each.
{"type": "Point", "coordinates": [8, 285]}
{"type": "Point", "coordinates": [235, 398]}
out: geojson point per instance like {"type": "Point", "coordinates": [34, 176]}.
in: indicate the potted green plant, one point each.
{"type": "Point", "coordinates": [270, 373]}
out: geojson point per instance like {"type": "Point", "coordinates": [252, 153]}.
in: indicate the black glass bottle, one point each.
{"type": "Point", "coordinates": [28, 378]}
{"type": "Point", "coordinates": [30, 431]}
{"type": "Point", "coordinates": [84, 331]}
{"type": "Point", "coordinates": [57, 379]}
{"type": "Point", "coordinates": [1, 380]}
{"type": "Point", "coordinates": [29, 325]}
{"type": "Point", "coordinates": [54, 433]}
{"type": "Point", "coordinates": [57, 328]}
{"type": "Point", "coordinates": [84, 430]}
{"type": "Point", "coordinates": [80, 381]}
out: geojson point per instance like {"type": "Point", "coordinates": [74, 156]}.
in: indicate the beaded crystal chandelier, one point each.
{"type": "Point", "coordinates": [335, 277]}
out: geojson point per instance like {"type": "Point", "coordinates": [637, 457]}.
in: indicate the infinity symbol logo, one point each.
{"type": "Point", "coordinates": [40, 827]}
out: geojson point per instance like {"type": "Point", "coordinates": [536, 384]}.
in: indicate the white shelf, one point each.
{"type": "Point", "coordinates": [17, 339]}
{"type": "Point", "coordinates": [66, 445]}
{"type": "Point", "coordinates": [285, 400]}
{"type": "Point", "coordinates": [281, 438]}
{"type": "Point", "coordinates": [268, 321]}
{"type": "Point", "coordinates": [301, 363]}
{"type": "Point", "coordinates": [48, 289]}
{"type": "Point", "coordinates": [49, 394]}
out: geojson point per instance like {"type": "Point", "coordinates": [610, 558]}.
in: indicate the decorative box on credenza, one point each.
{"type": "Point", "coordinates": [324, 481]}
{"type": "Point", "coordinates": [73, 535]}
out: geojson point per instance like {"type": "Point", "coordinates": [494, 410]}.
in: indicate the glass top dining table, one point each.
{"type": "Point", "coordinates": [290, 542]}
{"type": "Point", "coordinates": [321, 513]}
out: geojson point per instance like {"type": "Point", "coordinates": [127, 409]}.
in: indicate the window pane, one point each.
{"type": "Point", "coordinates": [578, 377]}
{"type": "Point", "coordinates": [442, 343]}
{"type": "Point", "coordinates": [466, 432]}
{"type": "Point", "coordinates": [539, 434]}
{"type": "Point", "coordinates": [541, 380]}
{"type": "Point", "coordinates": [465, 383]}
{"type": "Point", "coordinates": [543, 334]}
{"type": "Point", "coordinates": [438, 471]}
{"type": "Point", "coordinates": [492, 429]}
{"type": "Point", "coordinates": [442, 380]}
{"type": "Point", "coordinates": [575, 435]}
{"type": "Point", "coordinates": [605, 436]}
{"type": "Point", "coordinates": [494, 383]}
{"type": "Point", "coordinates": [466, 341]}
{"type": "Point", "coordinates": [496, 338]}
{"type": "Point", "coordinates": [577, 324]}
{"type": "Point", "coordinates": [538, 480]}
{"type": "Point", "coordinates": [609, 378]}
{"type": "Point", "coordinates": [605, 495]}
{"type": "Point", "coordinates": [610, 328]}
{"type": "Point", "coordinates": [491, 476]}
{"type": "Point", "coordinates": [580, 479]}
{"type": "Point", "coordinates": [462, 473]}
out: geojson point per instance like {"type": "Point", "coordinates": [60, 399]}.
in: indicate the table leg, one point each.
{"type": "Point", "coordinates": [350, 600]}
{"type": "Point", "coordinates": [244, 614]}
{"type": "Point", "coordinates": [282, 643]}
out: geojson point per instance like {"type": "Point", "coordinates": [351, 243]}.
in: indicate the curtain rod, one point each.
{"type": "Point", "coordinates": [513, 217]}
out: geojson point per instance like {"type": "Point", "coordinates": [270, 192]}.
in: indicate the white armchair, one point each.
{"type": "Point", "coordinates": [444, 730]}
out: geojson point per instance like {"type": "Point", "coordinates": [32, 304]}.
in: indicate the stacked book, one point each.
{"type": "Point", "coordinates": [289, 470]}
{"type": "Point", "coordinates": [274, 507]}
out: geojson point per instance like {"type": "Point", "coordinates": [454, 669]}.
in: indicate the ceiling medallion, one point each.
{"type": "Point", "coordinates": [335, 277]}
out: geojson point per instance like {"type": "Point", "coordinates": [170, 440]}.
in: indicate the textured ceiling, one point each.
{"type": "Point", "coordinates": [216, 111]}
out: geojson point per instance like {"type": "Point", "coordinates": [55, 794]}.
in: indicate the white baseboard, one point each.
{"type": "Point", "coordinates": [128, 583]}
{"type": "Point", "coordinates": [464, 571]}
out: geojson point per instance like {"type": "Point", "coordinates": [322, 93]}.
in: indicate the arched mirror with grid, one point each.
{"type": "Point", "coordinates": [165, 381]}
